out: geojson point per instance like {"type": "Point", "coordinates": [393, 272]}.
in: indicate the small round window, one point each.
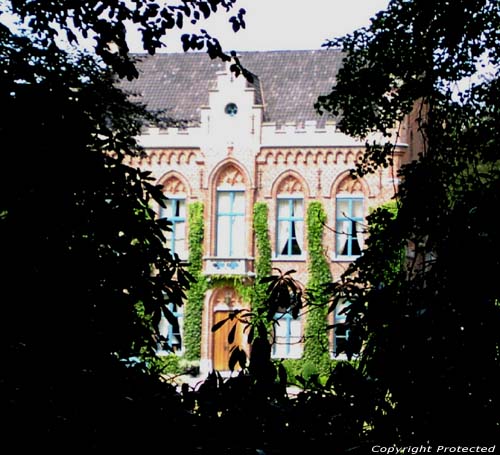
{"type": "Point", "coordinates": [231, 109]}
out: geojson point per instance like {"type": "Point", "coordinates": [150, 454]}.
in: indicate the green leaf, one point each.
{"type": "Point", "coordinates": [234, 358]}
{"type": "Point", "coordinates": [231, 334]}
{"type": "Point", "coordinates": [219, 324]}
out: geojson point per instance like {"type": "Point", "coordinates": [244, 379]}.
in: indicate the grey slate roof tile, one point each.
{"type": "Point", "coordinates": [288, 82]}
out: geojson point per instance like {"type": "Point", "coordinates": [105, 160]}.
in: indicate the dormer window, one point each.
{"type": "Point", "coordinates": [231, 109]}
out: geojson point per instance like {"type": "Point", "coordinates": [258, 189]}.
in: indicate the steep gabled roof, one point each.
{"type": "Point", "coordinates": [288, 82]}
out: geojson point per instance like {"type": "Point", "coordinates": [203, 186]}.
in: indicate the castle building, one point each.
{"type": "Point", "coordinates": [256, 142]}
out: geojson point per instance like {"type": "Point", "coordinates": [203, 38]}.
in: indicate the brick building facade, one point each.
{"type": "Point", "coordinates": [256, 142]}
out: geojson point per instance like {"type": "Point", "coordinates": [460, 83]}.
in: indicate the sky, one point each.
{"type": "Point", "coordinates": [284, 24]}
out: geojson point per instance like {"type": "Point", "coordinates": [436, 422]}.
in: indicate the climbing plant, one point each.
{"type": "Point", "coordinates": [319, 276]}
{"type": "Point", "coordinates": [196, 293]}
{"type": "Point", "coordinates": [263, 252]}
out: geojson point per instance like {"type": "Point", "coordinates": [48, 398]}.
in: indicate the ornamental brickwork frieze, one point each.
{"type": "Point", "coordinates": [170, 157]}
{"type": "Point", "coordinates": [294, 156]}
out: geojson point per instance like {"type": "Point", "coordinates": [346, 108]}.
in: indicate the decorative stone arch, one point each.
{"type": "Point", "coordinates": [229, 172]}
{"type": "Point", "coordinates": [225, 298]}
{"type": "Point", "coordinates": [174, 183]}
{"type": "Point", "coordinates": [290, 182]}
{"type": "Point", "coordinates": [345, 184]}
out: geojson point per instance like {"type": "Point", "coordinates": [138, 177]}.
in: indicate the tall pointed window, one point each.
{"type": "Point", "coordinates": [349, 226]}
{"type": "Point", "coordinates": [175, 212]}
{"type": "Point", "coordinates": [290, 218]}
{"type": "Point", "coordinates": [230, 223]}
{"type": "Point", "coordinates": [290, 235]}
{"type": "Point", "coordinates": [230, 214]}
{"type": "Point", "coordinates": [171, 333]}
{"type": "Point", "coordinates": [349, 219]}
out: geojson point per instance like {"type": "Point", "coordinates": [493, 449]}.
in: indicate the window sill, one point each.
{"type": "Point", "coordinates": [344, 258]}
{"type": "Point", "coordinates": [342, 357]}
{"type": "Point", "coordinates": [284, 357]}
{"type": "Point", "coordinates": [228, 266]}
{"type": "Point", "coordinates": [297, 258]}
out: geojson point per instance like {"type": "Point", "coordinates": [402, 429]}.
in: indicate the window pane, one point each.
{"type": "Point", "coordinates": [238, 236]}
{"type": "Point", "coordinates": [342, 208]}
{"type": "Point", "coordinates": [340, 333]}
{"type": "Point", "coordinates": [284, 234]}
{"type": "Point", "coordinates": [283, 208]}
{"type": "Point", "coordinates": [359, 235]}
{"type": "Point", "coordinates": [166, 212]}
{"type": "Point", "coordinates": [357, 208]}
{"type": "Point", "coordinates": [238, 202]}
{"type": "Point", "coordinates": [181, 208]}
{"type": "Point", "coordinates": [342, 231]}
{"type": "Point", "coordinates": [223, 202]}
{"type": "Point", "coordinates": [171, 337]}
{"type": "Point", "coordinates": [295, 248]}
{"type": "Point", "coordinates": [287, 337]}
{"type": "Point", "coordinates": [223, 236]}
{"type": "Point", "coordinates": [180, 239]}
{"type": "Point", "coordinates": [295, 330]}
{"type": "Point", "coordinates": [298, 211]}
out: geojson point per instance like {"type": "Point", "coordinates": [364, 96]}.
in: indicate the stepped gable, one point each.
{"type": "Point", "coordinates": [288, 82]}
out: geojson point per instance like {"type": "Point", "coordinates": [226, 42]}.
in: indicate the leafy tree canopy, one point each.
{"type": "Point", "coordinates": [86, 275]}
{"type": "Point", "coordinates": [429, 319]}
{"type": "Point", "coordinates": [109, 24]}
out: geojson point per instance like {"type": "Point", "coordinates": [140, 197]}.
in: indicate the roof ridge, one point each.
{"type": "Point", "coordinates": [256, 51]}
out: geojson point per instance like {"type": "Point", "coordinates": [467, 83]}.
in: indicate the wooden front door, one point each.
{"type": "Point", "coordinates": [221, 346]}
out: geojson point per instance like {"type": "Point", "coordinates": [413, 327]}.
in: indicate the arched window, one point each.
{"type": "Point", "coordinates": [171, 333]}
{"type": "Point", "coordinates": [340, 332]}
{"type": "Point", "coordinates": [230, 214]}
{"type": "Point", "coordinates": [287, 342]}
{"type": "Point", "coordinates": [349, 219]}
{"type": "Point", "coordinates": [290, 218]}
{"type": "Point", "coordinates": [175, 212]}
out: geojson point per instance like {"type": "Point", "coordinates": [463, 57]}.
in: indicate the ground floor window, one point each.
{"type": "Point", "coordinates": [171, 333]}
{"type": "Point", "coordinates": [340, 332]}
{"type": "Point", "coordinates": [287, 342]}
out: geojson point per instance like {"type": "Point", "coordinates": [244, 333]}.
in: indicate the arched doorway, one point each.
{"type": "Point", "coordinates": [229, 335]}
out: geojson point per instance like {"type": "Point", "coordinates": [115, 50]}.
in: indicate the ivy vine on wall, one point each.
{"type": "Point", "coordinates": [319, 276]}
{"type": "Point", "coordinates": [263, 253]}
{"type": "Point", "coordinates": [196, 294]}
